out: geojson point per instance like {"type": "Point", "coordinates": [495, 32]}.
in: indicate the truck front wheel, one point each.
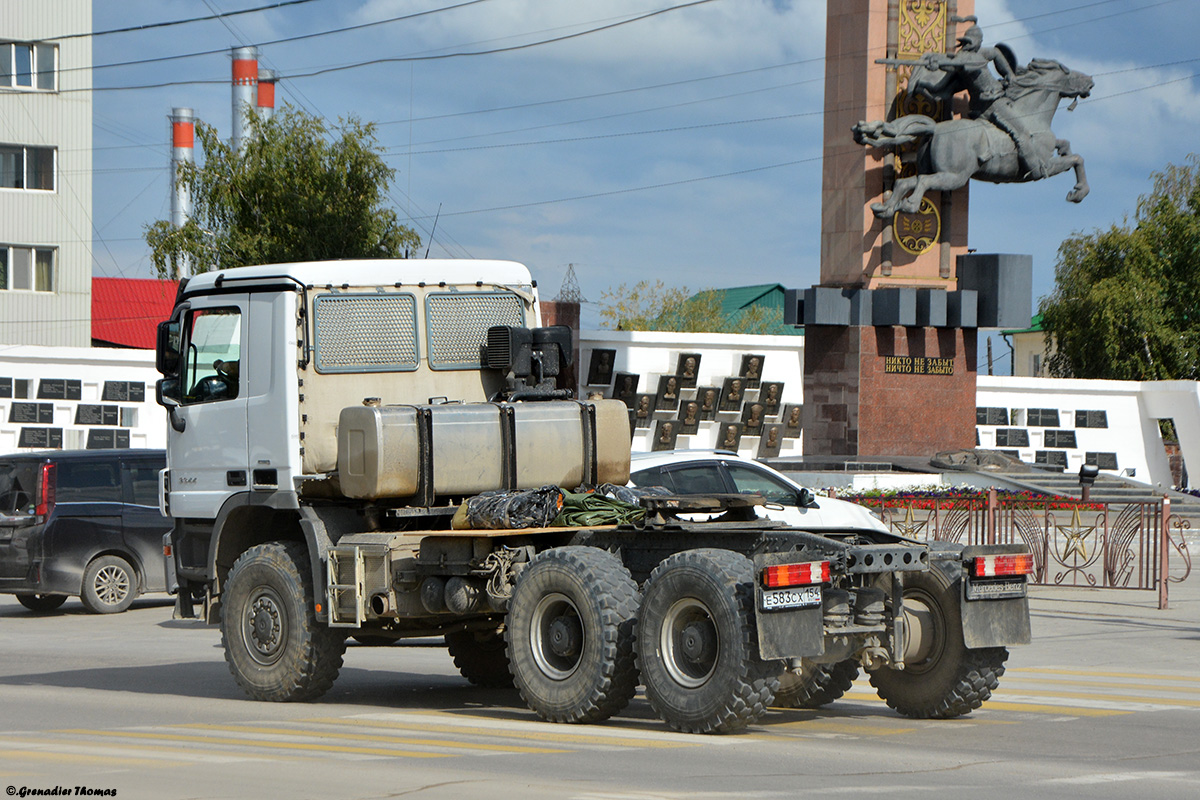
{"type": "Point", "coordinates": [275, 647]}
{"type": "Point", "coordinates": [698, 643]}
{"type": "Point", "coordinates": [570, 635]}
{"type": "Point", "coordinates": [941, 678]}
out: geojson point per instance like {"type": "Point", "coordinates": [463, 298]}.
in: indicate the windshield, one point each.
{"type": "Point", "coordinates": [18, 487]}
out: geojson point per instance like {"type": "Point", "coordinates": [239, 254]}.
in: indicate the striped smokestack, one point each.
{"type": "Point", "coordinates": [266, 93]}
{"type": "Point", "coordinates": [245, 84]}
{"type": "Point", "coordinates": [183, 137]}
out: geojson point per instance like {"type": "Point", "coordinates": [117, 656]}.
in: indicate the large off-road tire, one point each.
{"type": "Point", "coordinates": [817, 686]}
{"type": "Point", "coordinates": [697, 643]}
{"type": "Point", "coordinates": [570, 635]}
{"type": "Point", "coordinates": [481, 658]}
{"type": "Point", "coordinates": [41, 603]}
{"type": "Point", "coordinates": [275, 647]}
{"type": "Point", "coordinates": [942, 678]}
{"type": "Point", "coordinates": [109, 585]}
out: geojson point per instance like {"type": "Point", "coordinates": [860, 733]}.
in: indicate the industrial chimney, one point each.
{"type": "Point", "coordinates": [245, 85]}
{"type": "Point", "coordinates": [266, 93]}
{"type": "Point", "coordinates": [183, 139]}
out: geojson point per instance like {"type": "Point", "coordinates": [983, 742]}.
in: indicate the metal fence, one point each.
{"type": "Point", "coordinates": [1099, 545]}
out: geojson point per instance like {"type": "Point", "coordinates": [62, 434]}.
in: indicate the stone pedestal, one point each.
{"type": "Point", "coordinates": [878, 391]}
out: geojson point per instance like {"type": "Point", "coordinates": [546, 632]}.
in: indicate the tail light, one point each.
{"type": "Point", "coordinates": [46, 495]}
{"type": "Point", "coordinates": [1000, 566]}
{"type": "Point", "coordinates": [809, 573]}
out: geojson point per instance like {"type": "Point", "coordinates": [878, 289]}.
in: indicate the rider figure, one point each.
{"type": "Point", "coordinates": [987, 95]}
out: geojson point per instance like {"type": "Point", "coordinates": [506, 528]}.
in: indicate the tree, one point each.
{"type": "Point", "coordinates": [1126, 302]}
{"type": "Point", "coordinates": [655, 307]}
{"type": "Point", "coordinates": [294, 193]}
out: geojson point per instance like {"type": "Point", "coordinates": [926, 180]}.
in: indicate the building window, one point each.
{"type": "Point", "coordinates": [26, 269]}
{"type": "Point", "coordinates": [26, 167]}
{"type": "Point", "coordinates": [28, 65]}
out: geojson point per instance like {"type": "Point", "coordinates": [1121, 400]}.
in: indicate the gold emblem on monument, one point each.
{"type": "Point", "coordinates": [919, 232]}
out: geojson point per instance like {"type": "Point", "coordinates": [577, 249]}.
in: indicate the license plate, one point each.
{"type": "Point", "coordinates": [800, 597]}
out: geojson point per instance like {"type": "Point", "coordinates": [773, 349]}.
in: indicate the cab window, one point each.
{"type": "Point", "coordinates": [211, 366]}
{"type": "Point", "coordinates": [748, 480]}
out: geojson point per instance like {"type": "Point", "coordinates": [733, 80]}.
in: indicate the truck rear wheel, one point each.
{"type": "Point", "coordinates": [815, 687]}
{"type": "Point", "coordinates": [941, 678]}
{"type": "Point", "coordinates": [481, 658]}
{"type": "Point", "coordinates": [570, 635]}
{"type": "Point", "coordinates": [697, 643]}
{"type": "Point", "coordinates": [275, 647]}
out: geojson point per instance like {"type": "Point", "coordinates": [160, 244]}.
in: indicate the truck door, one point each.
{"type": "Point", "coordinates": [208, 458]}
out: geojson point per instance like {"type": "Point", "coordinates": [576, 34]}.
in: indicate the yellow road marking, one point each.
{"type": "Point", "coordinates": [363, 737]}
{"type": "Point", "coordinates": [324, 748]}
{"type": "Point", "coordinates": [1109, 698]}
{"type": "Point", "coordinates": [1098, 674]}
{"type": "Point", "coordinates": [821, 726]}
{"type": "Point", "coordinates": [1061, 711]}
{"type": "Point", "coordinates": [552, 736]}
{"type": "Point", "coordinates": [1105, 684]}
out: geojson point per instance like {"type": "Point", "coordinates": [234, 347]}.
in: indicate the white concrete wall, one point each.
{"type": "Point", "coordinates": [654, 354]}
{"type": "Point", "coordinates": [28, 365]}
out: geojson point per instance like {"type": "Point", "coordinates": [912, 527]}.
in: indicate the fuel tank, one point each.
{"type": "Point", "coordinates": [421, 451]}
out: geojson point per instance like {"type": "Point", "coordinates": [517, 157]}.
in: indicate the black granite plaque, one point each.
{"type": "Point", "coordinates": [991, 416]}
{"type": "Point", "coordinates": [643, 410]}
{"type": "Point", "coordinates": [770, 441]}
{"type": "Point", "coordinates": [1091, 419]}
{"type": "Point", "coordinates": [689, 417]}
{"type": "Point", "coordinates": [732, 394]}
{"type": "Point", "coordinates": [687, 368]}
{"type": "Point", "coordinates": [1060, 439]}
{"type": "Point", "coordinates": [5, 387]}
{"type": "Point", "coordinates": [100, 439]}
{"type": "Point", "coordinates": [1042, 418]}
{"type": "Point", "coordinates": [1051, 458]}
{"type": "Point", "coordinates": [793, 420]}
{"type": "Point", "coordinates": [625, 386]}
{"type": "Point", "coordinates": [600, 370]}
{"type": "Point", "coordinates": [709, 398]}
{"type": "Point", "coordinates": [729, 436]}
{"type": "Point", "coordinates": [665, 434]}
{"type": "Point", "coordinates": [1012, 437]}
{"type": "Point", "coordinates": [59, 389]}
{"type": "Point", "coordinates": [667, 398]}
{"type": "Point", "coordinates": [751, 369]}
{"type": "Point", "coordinates": [1101, 460]}
{"type": "Point", "coordinates": [48, 438]}
{"type": "Point", "coordinates": [87, 414]}
{"type": "Point", "coordinates": [770, 394]}
{"type": "Point", "coordinates": [34, 413]}
{"type": "Point", "coordinates": [753, 418]}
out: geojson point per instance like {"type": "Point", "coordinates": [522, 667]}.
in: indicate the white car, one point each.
{"type": "Point", "coordinates": [717, 472]}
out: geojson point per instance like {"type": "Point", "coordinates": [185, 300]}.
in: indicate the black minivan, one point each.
{"type": "Point", "coordinates": [81, 523]}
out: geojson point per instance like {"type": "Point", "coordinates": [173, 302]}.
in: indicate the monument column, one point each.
{"type": "Point", "coordinates": [857, 250]}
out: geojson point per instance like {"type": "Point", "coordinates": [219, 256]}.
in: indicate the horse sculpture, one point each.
{"type": "Point", "coordinates": [954, 151]}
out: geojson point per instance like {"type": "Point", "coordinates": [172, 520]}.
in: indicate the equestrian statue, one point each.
{"type": "Point", "coordinates": [1005, 136]}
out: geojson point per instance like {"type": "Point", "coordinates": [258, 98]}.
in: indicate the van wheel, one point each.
{"type": "Point", "coordinates": [109, 585]}
{"type": "Point", "coordinates": [41, 603]}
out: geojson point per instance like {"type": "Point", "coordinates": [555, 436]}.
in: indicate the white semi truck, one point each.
{"type": "Point", "coordinates": [328, 419]}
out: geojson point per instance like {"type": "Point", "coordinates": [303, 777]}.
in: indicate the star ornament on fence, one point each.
{"type": "Point", "coordinates": [910, 527]}
{"type": "Point", "coordinates": [1075, 536]}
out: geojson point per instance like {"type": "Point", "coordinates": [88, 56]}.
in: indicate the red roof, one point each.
{"type": "Point", "coordinates": [126, 311]}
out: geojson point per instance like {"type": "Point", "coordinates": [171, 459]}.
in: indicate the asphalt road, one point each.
{"type": "Point", "coordinates": [1104, 704]}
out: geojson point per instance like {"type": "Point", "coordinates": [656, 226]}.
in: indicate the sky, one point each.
{"type": "Point", "coordinates": [681, 146]}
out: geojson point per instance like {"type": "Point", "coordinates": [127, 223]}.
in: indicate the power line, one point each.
{"type": "Point", "coordinates": [153, 25]}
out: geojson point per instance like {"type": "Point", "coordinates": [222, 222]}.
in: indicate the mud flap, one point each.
{"type": "Point", "coordinates": [991, 615]}
{"type": "Point", "coordinates": [786, 632]}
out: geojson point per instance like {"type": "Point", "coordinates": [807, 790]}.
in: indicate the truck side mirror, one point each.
{"type": "Point", "coordinates": [166, 349]}
{"type": "Point", "coordinates": [166, 391]}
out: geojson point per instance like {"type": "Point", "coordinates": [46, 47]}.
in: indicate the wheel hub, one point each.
{"type": "Point", "coordinates": [264, 629]}
{"type": "Point", "coordinates": [111, 585]}
{"type": "Point", "coordinates": [698, 643]}
{"type": "Point", "coordinates": [689, 642]}
{"type": "Point", "coordinates": [566, 636]}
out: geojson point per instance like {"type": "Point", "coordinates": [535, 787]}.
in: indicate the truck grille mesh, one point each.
{"type": "Point", "coordinates": [365, 333]}
{"type": "Point", "coordinates": [458, 324]}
